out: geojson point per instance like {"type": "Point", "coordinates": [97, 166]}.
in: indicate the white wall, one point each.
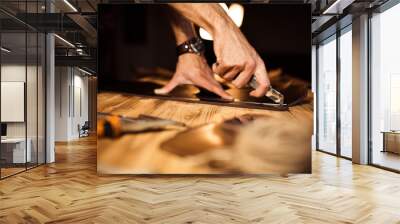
{"type": "Point", "coordinates": [12, 101]}
{"type": "Point", "coordinates": [71, 93]}
{"type": "Point", "coordinates": [81, 101]}
{"type": "Point", "coordinates": [61, 103]}
{"type": "Point", "coordinates": [16, 72]}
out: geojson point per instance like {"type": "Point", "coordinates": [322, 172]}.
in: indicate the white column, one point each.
{"type": "Point", "coordinates": [50, 93]}
{"type": "Point", "coordinates": [50, 98]}
{"type": "Point", "coordinates": [360, 90]}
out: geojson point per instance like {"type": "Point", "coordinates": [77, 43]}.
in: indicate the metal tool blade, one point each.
{"type": "Point", "coordinates": [272, 93]}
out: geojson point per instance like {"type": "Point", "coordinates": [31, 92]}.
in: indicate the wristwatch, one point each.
{"type": "Point", "coordinates": [194, 45]}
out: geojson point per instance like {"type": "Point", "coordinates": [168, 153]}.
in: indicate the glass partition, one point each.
{"type": "Point", "coordinates": [23, 89]}
{"type": "Point", "coordinates": [31, 99]}
{"type": "Point", "coordinates": [326, 96]}
{"type": "Point", "coordinates": [14, 153]}
{"type": "Point", "coordinates": [41, 97]}
{"type": "Point", "coordinates": [385, 89]}
{"type": "Point", "coordinates": [345, 93]}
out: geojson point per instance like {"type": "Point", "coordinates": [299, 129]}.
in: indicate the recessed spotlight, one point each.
{"type": "Point", "coordinates": [64, 40]}
{"type": "Point", "coordinates": [5, 49]}
{"type": "Point", "coordinates": [85, 72]}
{"type": "Point", "coordinates": [70, 5]}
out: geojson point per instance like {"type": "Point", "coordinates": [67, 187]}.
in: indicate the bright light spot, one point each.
{"type": "Point", "coordinates": [224, 6]}
{"type": "Point", "coordinates": [235, 12]}
{"type": "Point", "coordinates": [70, 6]}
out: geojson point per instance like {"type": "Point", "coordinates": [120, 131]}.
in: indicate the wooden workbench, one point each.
{"type": "Point", "coordinates": [141, 153]}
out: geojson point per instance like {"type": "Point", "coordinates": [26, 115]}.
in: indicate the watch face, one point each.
{"type": "Point", "coordinates": [194, 45]}
{"type": "Point", "coordinates": [198, 46]}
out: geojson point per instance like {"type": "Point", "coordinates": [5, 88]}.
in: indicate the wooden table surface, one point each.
{"type": "Point", "coordinates": [141, 153]}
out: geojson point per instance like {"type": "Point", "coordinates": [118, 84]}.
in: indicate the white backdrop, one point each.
{"type": "Point", "coordinates": [12, 101]}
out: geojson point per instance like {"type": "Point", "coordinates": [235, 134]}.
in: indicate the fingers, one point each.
{"type": "Point", "coordinates": [244, 77]}
{"type": "Point", "coordinates": [174, 82]}
{"type": "Point", "coordinates": [227, 72]}
{"type": "Point", "coordinates": [233, 72]}
{"type": "Point", "coordinates": [259, 92]}
{"type": "Point", "coordinates": [212, 85]}
{"type": "Point", "coordinates": [219, 69]}
{"type": "Point", "coordinates": [207, 82]}
{"type": "Point", "coordinates": [241, 75]}
{"type": "Point", "coordinates": [262, 80]}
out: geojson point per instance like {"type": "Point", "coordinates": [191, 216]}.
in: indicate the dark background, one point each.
{"type": "Point", "coordinates": [134, 36]}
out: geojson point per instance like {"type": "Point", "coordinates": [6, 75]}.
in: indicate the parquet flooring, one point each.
{"type": "Point", "coordinates": [70, 191]}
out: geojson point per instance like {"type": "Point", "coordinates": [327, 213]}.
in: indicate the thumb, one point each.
{"type": "Point", "coordinates": [168, 87]}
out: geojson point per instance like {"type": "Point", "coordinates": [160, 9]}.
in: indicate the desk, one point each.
{"type": "Point", "coordinates": [391, 141]}
{"type": "Point", "coordinates": [13, 150]}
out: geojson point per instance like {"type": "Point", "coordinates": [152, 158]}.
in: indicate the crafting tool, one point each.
{"type": "Point", "coordinates": [272, 93]}
{"type": "Point", "coordinates": [110, 125]}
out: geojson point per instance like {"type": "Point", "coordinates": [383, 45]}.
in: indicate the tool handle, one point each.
{"type": "Point", "coordinates": [272, 94]}
{"type": "Point", "coordinates": [109, 126]}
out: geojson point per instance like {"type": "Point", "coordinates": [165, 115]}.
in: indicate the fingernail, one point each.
{"type": "Point", "coordinates": [159, 92]}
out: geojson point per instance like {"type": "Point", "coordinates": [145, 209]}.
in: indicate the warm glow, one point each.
{"type": "Point", "coordinates": [224, 6]}
{"type": "Point", "coordinates": [235, 12]}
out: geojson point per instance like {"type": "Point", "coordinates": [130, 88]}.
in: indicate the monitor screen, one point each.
{"type": "Point", "coordinates": [3, 129]}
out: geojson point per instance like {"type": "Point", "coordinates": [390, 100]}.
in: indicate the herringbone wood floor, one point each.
{"type": "Point", "coordinates": [70, 191]}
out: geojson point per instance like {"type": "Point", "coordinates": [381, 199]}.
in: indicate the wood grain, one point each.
{"type": "Point", "coordinates": [141, 154]}
{"type": "Point", "coordinates": [70, 191]}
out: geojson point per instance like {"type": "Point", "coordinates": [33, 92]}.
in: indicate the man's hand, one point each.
{"type": "Point", "coordinates": [236, 58]}
{"type": "Point", "coordinates": [237, 61]}
{"type": "Point", "coordinates": [193, 69]}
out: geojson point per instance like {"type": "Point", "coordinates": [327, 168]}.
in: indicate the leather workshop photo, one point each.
{"type": "Point", "coordinates": [186, 94]}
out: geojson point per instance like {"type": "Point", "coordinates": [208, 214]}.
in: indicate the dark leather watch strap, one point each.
{"type": "Point", "coordinates": [194, 45]}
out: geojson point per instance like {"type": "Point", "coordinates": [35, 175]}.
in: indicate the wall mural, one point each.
{"type": "Point", "coordinates": [204, 88]}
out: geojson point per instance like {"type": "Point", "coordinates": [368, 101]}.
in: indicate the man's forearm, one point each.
{"type": "Point", "coordinates": [183, 29]}
{"type": "Point", "coordinates": [211, 16]}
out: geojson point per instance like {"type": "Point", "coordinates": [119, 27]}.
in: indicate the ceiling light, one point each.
{"type": "Point", "coordinates": [5, 50]}
{"type": "Point", "coordinates": [84, 71]}
{"type": "Point", "coordinates": [337, 7]}
{"type": "Point", "coordinates": [70, 5]}
{"type": "Point", "coordinates": [65, 41]}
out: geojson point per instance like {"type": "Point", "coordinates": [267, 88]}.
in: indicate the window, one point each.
{"type": "Point", "coordinates": [345, 92]}
{"type": "Point", "coordinates": [326, 96]}
{"type": "Point", "coordinates": [385, 88]}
